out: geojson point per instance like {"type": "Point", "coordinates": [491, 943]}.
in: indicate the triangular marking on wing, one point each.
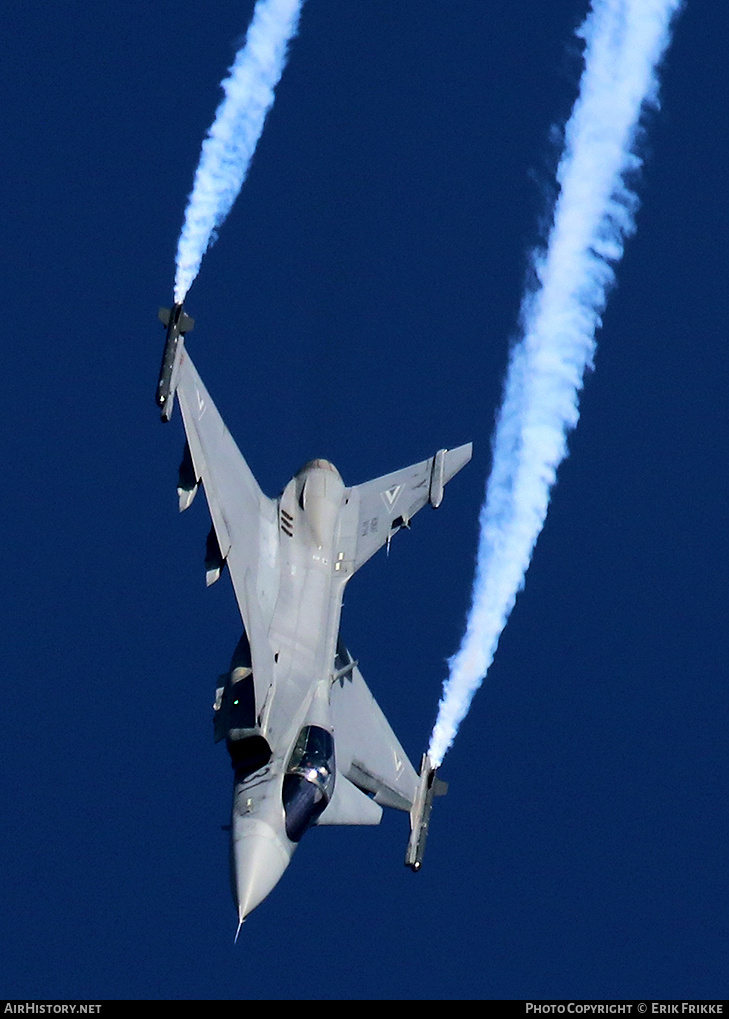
{"type": "Point", "coordinates": [390, 496]}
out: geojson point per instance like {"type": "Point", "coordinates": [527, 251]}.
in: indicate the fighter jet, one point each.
{"type": "Point", "coordinates": [307, 741]}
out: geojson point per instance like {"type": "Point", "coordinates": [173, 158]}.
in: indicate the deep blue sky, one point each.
{"type": "Point", "coordinates": [358, 305]}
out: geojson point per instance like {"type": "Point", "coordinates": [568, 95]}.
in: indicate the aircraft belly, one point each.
{"type": "Point", "coordinates": [302, 636]}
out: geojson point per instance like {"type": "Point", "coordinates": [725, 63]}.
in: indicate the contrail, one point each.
{"type": "Point", "coordinates": [232, 139]}
{"type": "Point", "coordinates": [595, 212]}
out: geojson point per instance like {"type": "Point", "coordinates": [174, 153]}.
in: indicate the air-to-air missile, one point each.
{"type": "Point", "coordinates": [178, 322]}
{"type": "Point", "coordinates": [429, 787]}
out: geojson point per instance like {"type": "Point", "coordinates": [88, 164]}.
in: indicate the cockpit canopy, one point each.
{"type": "Point", "coordinates": [309, 780]}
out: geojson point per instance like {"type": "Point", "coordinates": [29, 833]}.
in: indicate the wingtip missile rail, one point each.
{"type": "Point", "coordinates": [177, 322]}
{"type": "Point", "coordinates": [429, 787]}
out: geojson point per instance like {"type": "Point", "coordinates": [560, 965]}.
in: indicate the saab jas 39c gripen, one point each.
{"type": "Point", "coordinates": [307, 741]}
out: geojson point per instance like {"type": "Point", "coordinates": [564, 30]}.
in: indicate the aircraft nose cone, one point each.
{"type": "Point", "coordinates": [259, 859]}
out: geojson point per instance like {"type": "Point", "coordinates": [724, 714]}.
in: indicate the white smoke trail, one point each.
{"type": "Point", "coordinates": [232, 139]}
{"type": "Point", "coordinates": [624, 42]}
